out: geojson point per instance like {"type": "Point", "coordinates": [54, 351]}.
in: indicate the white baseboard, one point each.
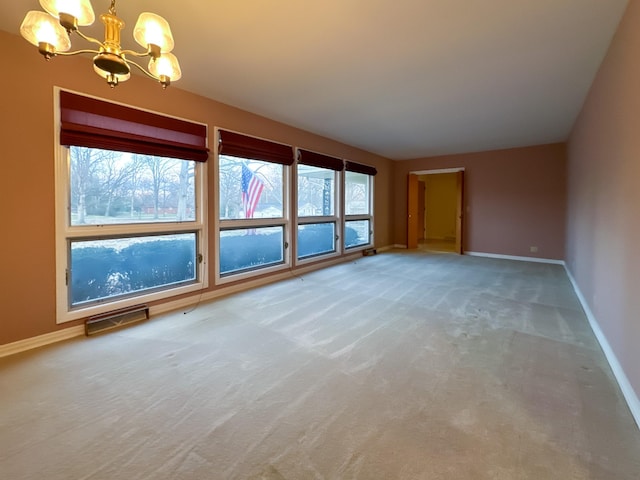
{"type": "Point", "coordinates": [386, 248]}
{"type": "Point", "coordinates": [514, 257]}
{"type": "Point", "coordinates": [625, 385]}
{"type": "Point", "coordinates": [41, 340]}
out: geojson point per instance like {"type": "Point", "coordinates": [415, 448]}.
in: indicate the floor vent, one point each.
{"type": "Point", "coordinates": [114, 319]}
{"type": "Point", "coordinates": [369, 252]}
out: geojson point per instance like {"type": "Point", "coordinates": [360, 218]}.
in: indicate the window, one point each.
{"type": "Point", "coordinates": [243, 249]}
{"type": "Point", "coordinates": [108, 268]}
{"type": "Point", "coordinates": [251, 191]}
{"type": "Point", "coordinates": [358, 194]}
{"type": "Point", "coordinates": [130, 225]}
{"type": "Point", "coordinates": [317, 199]}
{"type": "Point", "coordinates": [253, 211]}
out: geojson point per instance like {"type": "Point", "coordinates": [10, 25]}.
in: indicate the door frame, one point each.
{"type": "Point", "coordinates": [412, 206]}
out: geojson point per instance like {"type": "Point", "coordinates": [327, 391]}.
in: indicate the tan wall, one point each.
{"type": "Point", "coordinates": [441, 201]}
{"type": "Point", "coordinates": [27, 245]}
{"type": "Point", "coordinates": [603, 227]}
{"type": "Point", "coordinates": [514, 199]}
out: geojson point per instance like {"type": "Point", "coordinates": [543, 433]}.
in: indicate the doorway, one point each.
{"type": "Point", "coordinates": [435, 210]}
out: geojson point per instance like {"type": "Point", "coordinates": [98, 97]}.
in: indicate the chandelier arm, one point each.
{"type": "Point", "coordinates": [142, 69]}
{"type": "Point", "coordinates": [135, 54]}
{"type": "Point", "coordinates": [77, 52]}
{"type": "Point", "coordinates": [88, 38]}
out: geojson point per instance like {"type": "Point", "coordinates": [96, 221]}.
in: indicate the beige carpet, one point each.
{"type": "Point", "coordinates": [399, 366]}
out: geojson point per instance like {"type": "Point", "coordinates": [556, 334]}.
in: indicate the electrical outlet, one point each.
{"type": "Point", "coordinates": [533, 249]}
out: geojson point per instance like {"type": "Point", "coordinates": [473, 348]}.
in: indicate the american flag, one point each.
{"type": "Point", "coordinates": [252, 188]}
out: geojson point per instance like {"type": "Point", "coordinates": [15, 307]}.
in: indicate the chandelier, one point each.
{"type": "Point", "coordinates": [51, 32]}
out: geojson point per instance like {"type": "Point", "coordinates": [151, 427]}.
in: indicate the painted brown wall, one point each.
{"type": "Point", "coordinates": [603, 228]}
{"type": "Point", "coordinates": [27, 255]}
{"type": "Point", "coordinates": [514, 199]}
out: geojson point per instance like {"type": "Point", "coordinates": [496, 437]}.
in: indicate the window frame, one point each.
{"type": "Point", "coordinates": [65, 233]}
{"type": "Point", "coordinates": [358, 217]}
{"type": "Point", "coordinates": [221, 225]}
{"type": "Point", "coordinates": [336, 218]}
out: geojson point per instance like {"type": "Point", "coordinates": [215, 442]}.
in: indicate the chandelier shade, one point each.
{"type": "Point", "coordinates": [81, 10]}
{"type": "Point", "coordinates": [152, 29]}
{"type": "Point", "coordinates": [39, 28]}
{"type": "Point", "coordinates": [165, 65]}
{"type": "Point", "coordinates": [51, 32]}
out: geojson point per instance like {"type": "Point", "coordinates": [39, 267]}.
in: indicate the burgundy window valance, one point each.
{"type": "Point", "coordinates": [319, 160]}
{"type": "Point", "coordinates": [90, 122]}
{"type": "Point", "coordinates": [243, 146]}
{"type": "Point", "coordinates": [359, 168]}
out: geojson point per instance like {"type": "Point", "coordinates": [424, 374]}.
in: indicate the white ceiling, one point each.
{"type": "Point", "coordinates": [401, 78]}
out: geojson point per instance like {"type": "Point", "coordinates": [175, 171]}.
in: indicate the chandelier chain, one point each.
{"type": "Point", "coordinates": [112, 8]}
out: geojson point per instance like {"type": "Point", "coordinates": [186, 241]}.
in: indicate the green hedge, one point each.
{"type": "Point", "coordinates": [99, 272]}
{"type": "Point", "coordinates": [102, 272]}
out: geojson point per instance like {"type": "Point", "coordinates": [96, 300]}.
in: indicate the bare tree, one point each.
{"type": "Point", "coordinates": [115, 171]}
{"type": "Point", "coordinates": [159, 168]}
{"type": "Point", "coordinates": [185, 176]}
{"type": "Point", "coordinates": [137, 164]}
{"type": "Point", "coordinates": [84, 165]}
{"type": "Point", "coordinates": [271, 176]}
{"type": "Point", "coordinates": [229, 184]}
{"type": "Point", "coordinates": [356, 195]}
